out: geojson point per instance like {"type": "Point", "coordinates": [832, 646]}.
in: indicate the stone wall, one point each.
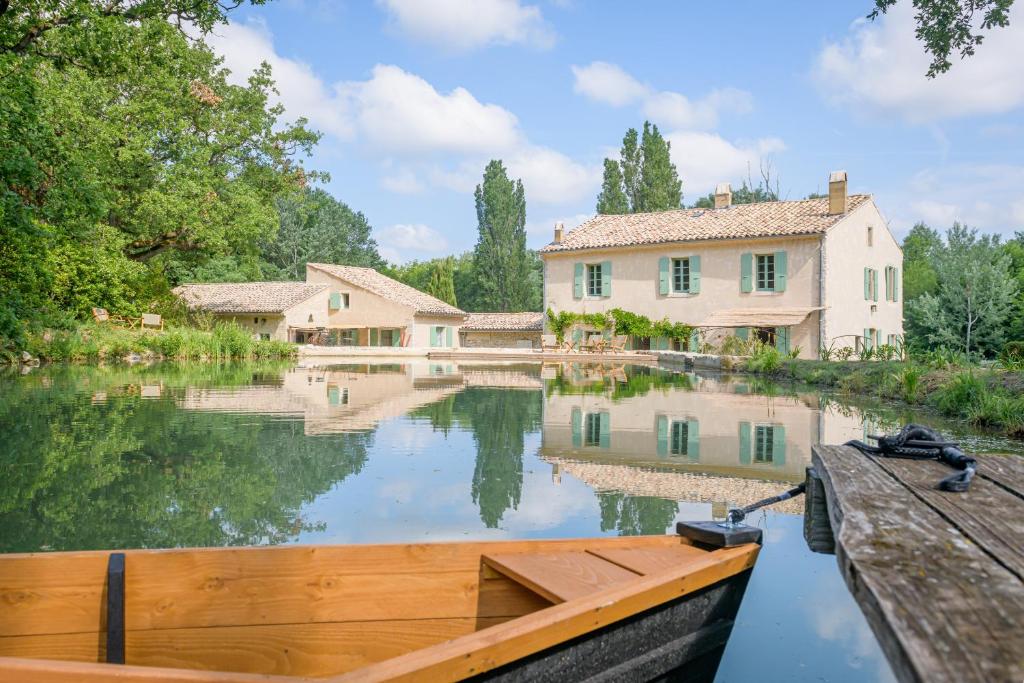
{"type": "Point", "coordinates": [501, 339]}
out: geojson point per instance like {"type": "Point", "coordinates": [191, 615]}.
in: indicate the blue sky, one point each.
{"type": "Point", "coordinates": [414, 97]}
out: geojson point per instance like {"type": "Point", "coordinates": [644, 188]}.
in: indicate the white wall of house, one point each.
{"type": "Point", "coordinates": [635, 282]}
{"type": "Point", "coordinates": [848, 250]}
{"type": "Point", "coordinates": [425, 331]}
{"type": "Point", "coordinates": [259, 324]}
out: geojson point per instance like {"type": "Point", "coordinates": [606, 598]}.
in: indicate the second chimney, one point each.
{"type": "Point", "coordinates": [723, 196]}
{"type": "Point", "coordinates": [559, 232]}
{"type": "Point", "coordinates": [837, 193]}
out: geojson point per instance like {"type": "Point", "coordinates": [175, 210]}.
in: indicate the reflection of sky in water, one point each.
{"type": "Point", "coordinates": [417, 452]}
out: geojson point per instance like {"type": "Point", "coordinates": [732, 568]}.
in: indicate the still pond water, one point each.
{"type": "Point", "coordinates": [171, 455]}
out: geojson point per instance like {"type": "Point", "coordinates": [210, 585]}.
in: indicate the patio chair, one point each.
{"type": "Point", "coordinates": [617, 344]}
{"type": "Point", "coordinates": [152, 321]}
{"type": "Point", "coordinates": [549, 342]}
{"type": "Point", "coordinates": [594, 344]}
{"type": "Point", "coordinates": [101, 315]}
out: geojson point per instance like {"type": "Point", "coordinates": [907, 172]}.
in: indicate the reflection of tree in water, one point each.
{"type": "Point", "coordinates": [132, 472]}
{"type": "Point", "coordinates": [635, 515]}
{"type": "Point", "coordinates": [499, 420]}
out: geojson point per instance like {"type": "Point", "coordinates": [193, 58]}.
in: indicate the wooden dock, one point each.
{"type": "Point", "coordinates": [939, 575]}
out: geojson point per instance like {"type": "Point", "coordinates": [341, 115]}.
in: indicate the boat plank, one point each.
{"type": "Point", "coordinates": [281, 649]}
{"type": "Point", "coordinates": [1005, 470]}
{"type": "Point", "coordinates": [983, 515]}
{"type": "Point", "coordinates": [494, 647]}
{"type": "Point", "coordinates": [47, 592]}
{"type": "Point", "coordinates": [941, 608]}
{"type": "Point", "coordinates": [52, 671]}
{"type": "Point", "coordinates": [649, 560]}
{"type": "Point", "coordinates": [560, 576]}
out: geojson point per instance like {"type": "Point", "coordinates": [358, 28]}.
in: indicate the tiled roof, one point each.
{"type": "Point", "coordinates": [504, 321]}
{"type": "Point", "coordinates": [392, 290]}
{"type": "Point", "coordinates": [247, 297]}
{"type": "Point", "coordinates": [740, 221]}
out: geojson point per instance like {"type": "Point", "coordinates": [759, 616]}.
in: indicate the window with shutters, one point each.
{"type": "Point", "coordinates": [594, 280]}
{"type": "Point", "coordinates": [680, 275]}
{"type": "Point", "coordinates": [592, 429]}
{"type": "Point", "coordinates": [764, 443]}
{"type": "Point", "coordinates": [679, 434]}
{"type": "Point", "coordinates": [765, 272]}
{"type": "Point", "coordinates": [870, 284]}
{"type": "Point", "coordinates": [387, 337]}
{"type": "Point", "coordinates": [890, 283]}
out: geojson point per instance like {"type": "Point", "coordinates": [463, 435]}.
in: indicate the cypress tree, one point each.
{"type": "Point", "coordinates": [644, 178]}
{"type": "Point", "coordinates": [660, 188]}
{"type": "Point", "coordinates": [442, 281]}
{"type": "Point", "coordinates": [501, 261]}
{"type": "Point", "coordinates": [613, 197]}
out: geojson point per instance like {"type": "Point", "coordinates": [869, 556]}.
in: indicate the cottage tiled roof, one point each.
{"type": "Point", "coordinates": [504, 321]}
{"type": "Point", "coordinates": [247, 297]}
{"type": "Point", "coordinates": [740, 221]}
{"type": "Point", "coordinates": [388, 288]}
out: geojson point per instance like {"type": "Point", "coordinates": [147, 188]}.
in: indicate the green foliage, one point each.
{"type": "Point", "coordinates": [317, 228]}
{"type": "Point", "coordinates": [921, 248]}
{"type": "Point", "coordinates": [945, 26]}
{"type": "Point", "coordinates": [644, 178]}
{"type": "Point", "coordinates": [764, 358]}
{"type": "Point", "coordinates": [442, 281]}
{"type": "Point", "coordinates": [632, 324]}
{"type": "Point", "coordinates": [748, 193]}
{"type": "Point", "coordinates": [908, 381]}
{"type": "Point", "coordinates": [972, 306]}
{"type": "Point", "coordinates": [559, 323]}
{"type": "Point", "coordinates": [1012, 355]}
{"type": "Point", "coordinates": [501, 260]}
{"type": "Point", "coordinates": [963, 390]}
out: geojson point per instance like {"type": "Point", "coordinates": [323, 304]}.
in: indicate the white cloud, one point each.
{"type": "Point", "coordinates": [403, 181]}
{"type": "Point", "coordinates": [461, 25]}
{"type": "Point", "coordinates": [983, 196]}
{"type": "Point", "coordinates": [245, 46]}
{"type": "Point", "coordinates": [610, 84]}
{"type": "Point", "coordinates": [706, 159]}
{"type": "Point", "coordinates": [879, 68]}
{"type": "Point", "coordinates": [677, 111]}
{"type": "Point", "coordinates": [550, 177]}
{"type": "Point", "coordinates": [399, 111]}
{"type": "Point", "coordinates": [607, 83]}
{"type": "Point", "coordinates": [395, 240]}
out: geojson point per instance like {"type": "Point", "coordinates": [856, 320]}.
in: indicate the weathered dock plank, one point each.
{"type": "Point", "coordinates": [942, 608]}
{"type": "Point", "coordinates": [1005, 470]}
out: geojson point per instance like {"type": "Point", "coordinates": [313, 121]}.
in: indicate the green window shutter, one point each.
{"type": "Point", "coordinates": [782, 339]}
{"type": "Point", "coordinates": [781, 271]}
{"type": "Point", "coordinates": [867, 338]}
{"type": "Point", "coordinates": [577, 428]}
{"type": "Point", "coordinates": [693, 440]}
{"type": "Point", "coordinates": [695, 275]}
{"type": "Point", "coordinates": [888, 292]}
{"type": "Point", "coordinates": [433, 336]}
{"type": "Point", "coordinates": [606, 334]}
{"type": "Point", "coordinates": [744, 443]}
{"type": "Point", "coordinates": [333, 396]}
{"type": "Point", "coordinates": [663, 343]}
{"type": "Point", "coordinates": [606, 278]}
{"type": "Point", "coordinates": [373, 336]}
{"type": "Point", "coordinates": [746, 272]}
{"type": "Point", "coordinates": [778, 446]}
{"type": "Point", "coordinates": [448, 336]}
{"type": "Point", "coordinates": [577, 284]}
{"type": "Point", "coordinates": [662, 436]}
{"type": "Point", "coordinates": [335, 301]}
{"type": "Point", "coordinates": [867, 284]}
{"type": "Point", "coordinates": [743, 333]}
{"type": "Point", "coordinates": [694, 345]}
{"type": "Point", "coordinates": [874, 282]}
{"type": "Point", "coordinates": [878, 338]}
{"type": "Point", "coordinates": [895, 284]}
{"type": "Point", "coordinates": [396, 337]}
{"type": "Point", "coordinates": [577, 335]}
{"type": "Point", "coordinates": [663, 278]}
{"type": "Point", "coordinates": [605, 435]}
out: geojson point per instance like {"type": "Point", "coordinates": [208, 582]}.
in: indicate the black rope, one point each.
{"type": "Point", "coordinates": [737, 515]}
{"type": "Point", "coordinates": [917, 442]}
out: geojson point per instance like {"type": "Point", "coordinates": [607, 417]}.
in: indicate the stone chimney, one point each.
{"type": "Point", "coordinates": [559, 232]}
{"type": "Point", "coordinates": [723, 196]}
{"type": "Point", "coordinates": [837, 193]}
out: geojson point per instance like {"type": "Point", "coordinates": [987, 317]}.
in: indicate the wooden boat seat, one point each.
{"type": "Point", "coordinates": [567, 575]}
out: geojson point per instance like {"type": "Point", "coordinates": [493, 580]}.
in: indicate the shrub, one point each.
{"type": "Point", "coordinates": [1012, 355]}
{"type": "Point", "coordinates": [845, 353]}
{"type": "Point", "coordinates": [734, 346]}
{"type": "Point", "coordinates": [764, 358]}
{"type": "Point", "coordinates": [908, 380]}
{"type": "Point", "coordinates": [958, 397]}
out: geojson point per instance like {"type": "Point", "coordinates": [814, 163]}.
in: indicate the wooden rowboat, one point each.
{"type": "Point", "coordinates": [636, 608]}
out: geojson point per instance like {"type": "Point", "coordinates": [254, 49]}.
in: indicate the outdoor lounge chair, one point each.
{"type": "Point", "coordinates": [617, 344]}
{"type": "Point", "coordinates": [152, 321]}
{"type": "Point", "coordinates": [594, 344]}
{"type": "Point", "coordinates": [549, 342]}
{"type": "Point", "coordinates": [101, 315]}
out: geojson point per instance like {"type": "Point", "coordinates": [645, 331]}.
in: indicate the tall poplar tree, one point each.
{"type": "Point", "coordinates": [644, 178]}
{"type": "Point", "coordinates": [501, 261]}
{"type": "Point", "coordinates": [442, 281]}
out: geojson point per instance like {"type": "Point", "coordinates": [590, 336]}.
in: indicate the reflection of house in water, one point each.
{"type": "Point", "coordinates": [343, 398]}
{"type": "Point", "coordinates": [711, 429]}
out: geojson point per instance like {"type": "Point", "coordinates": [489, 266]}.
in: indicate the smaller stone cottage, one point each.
{"type": "Point", "coordinates": [286, 311]}
{"type": "Point", "coordinates": [503, 330]}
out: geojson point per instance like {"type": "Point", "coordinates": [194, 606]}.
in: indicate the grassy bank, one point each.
{"type": "Point", "coordinates": [100, 342]}
{"type": "Point", "coordinates": [984, 397]}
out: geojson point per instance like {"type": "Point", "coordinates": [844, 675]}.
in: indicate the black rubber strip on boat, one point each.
{"type": "Point", "coordinates": [115, 608]}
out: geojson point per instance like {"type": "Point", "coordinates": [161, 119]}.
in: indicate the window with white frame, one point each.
{"type": "Point", "coordinates": [680, 275]}
{"type": "Point", "coordinates": [594, 280]}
